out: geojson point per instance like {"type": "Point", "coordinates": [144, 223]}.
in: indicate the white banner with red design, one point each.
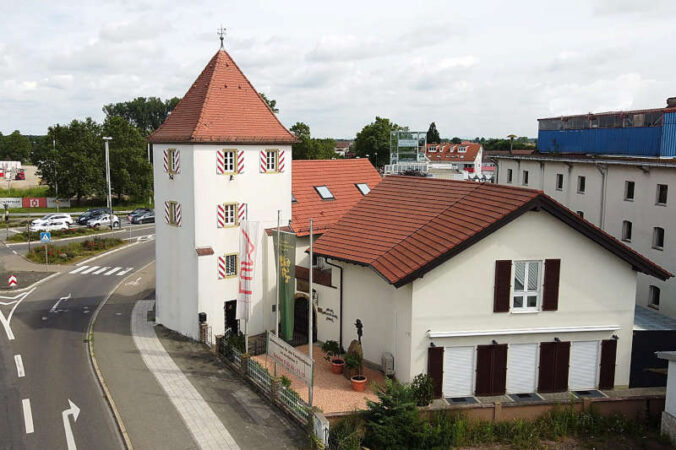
{"type": "Point", "coordinates": [248, 252]}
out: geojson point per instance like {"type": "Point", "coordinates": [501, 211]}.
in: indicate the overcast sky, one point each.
{"type": "Point", "coordinates": [482, 68]}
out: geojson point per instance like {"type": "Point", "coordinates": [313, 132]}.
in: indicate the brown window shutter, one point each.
{"type": "Point", "coordinates": [608, 355]}
{"type": "Point", "coordinates": [483, 370]}
{"type": "Point", "coordinates": [435, 368]}
{"type": "Point", "coordinates": [562, 365]}
{"type": "Point", "coordinates": [503, 280]}
{"type": "Point", "coordinates": [547, 365]}
{"type": "Point", "coordinates": [550, 297]}
{"type": "Point", "coordinates": [499, 369]}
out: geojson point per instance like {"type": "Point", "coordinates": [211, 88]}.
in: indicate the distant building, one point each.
{"type": "Point", "coordinates": [455, 161]}
{"type": "Point", "coordinates": [343, 147]}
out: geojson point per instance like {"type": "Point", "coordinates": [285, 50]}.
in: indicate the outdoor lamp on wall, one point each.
{"type": "Point", "coordinates": [557, 339]}
{"type": "Point", "coordinates": [494, 342]}
{"type": "Point", "coordinates": [616, 337]}
{"type": "Point", "coordinates": [202, 317]}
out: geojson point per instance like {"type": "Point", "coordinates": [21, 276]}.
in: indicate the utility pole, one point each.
{"type": "Point", "coordinates": [150, 196]}
{"type": "Point", "coordinates": [56, 180]}
{"type": "Point", "coordinates": [106, 139]}
{"type": "Point", "coordinates": [309, 325]}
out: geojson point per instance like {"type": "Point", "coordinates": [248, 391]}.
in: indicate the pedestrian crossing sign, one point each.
{"type": "Point", "coordinates": [45, 237]}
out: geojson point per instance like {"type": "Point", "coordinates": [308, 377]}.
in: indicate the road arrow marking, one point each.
{"type": "Point", "coordinates": [15, 301]}
{"type": "Point", "coordinates": [74, 411]}
{"type": "Point", "coordinates": [56, 305]}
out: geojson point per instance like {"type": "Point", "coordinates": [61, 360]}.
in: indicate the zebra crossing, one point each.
{"type": "Point", "coordinates": [102, 270]}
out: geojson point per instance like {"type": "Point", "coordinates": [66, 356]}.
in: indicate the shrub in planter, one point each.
{"type": "Point", "coordinates": [333, 353]}
{"type": "Point", "coordinates": [354, 361]}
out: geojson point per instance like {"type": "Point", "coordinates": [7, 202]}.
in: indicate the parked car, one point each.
{"type": "Point", "coordinates": [20, 175]}
{"type": "Point", "coordinates": [53, 225]}
{"type": "Point", "coordinates": [54, 217]}
{"type": "Point", "coordinates": [91, 214]}
{"type": "Point", "coordinates": [147, 217]}
{"type": "Point", "coordinates": [137, 212]}
{"type": "Point", "coordinates": [104, 220]}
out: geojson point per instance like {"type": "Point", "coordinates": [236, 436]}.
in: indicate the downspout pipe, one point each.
{"type": "Point", "coordinates": [340, 319]}
{"type": "Point", "coordinates": [603, 170]}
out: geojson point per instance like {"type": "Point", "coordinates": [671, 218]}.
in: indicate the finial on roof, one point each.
{"type": "Point", "coordinates": [221, 34]}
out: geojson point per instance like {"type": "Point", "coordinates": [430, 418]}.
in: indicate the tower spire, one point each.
{"type": "Point", "coordinates": [221, 33]}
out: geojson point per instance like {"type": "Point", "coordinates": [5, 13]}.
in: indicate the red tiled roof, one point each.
{"type": "Point", "coordinates": [340, 176]}
{"type": "Point", "coordinates": [448, 153]}
{"type": "Point", "coordinates": [222, 107]}
{"type": "Point", "coordinates": [396, 228]}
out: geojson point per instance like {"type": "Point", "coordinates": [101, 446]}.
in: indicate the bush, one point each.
{"type": "Point", "coordinates": [237, 341]}
{"type": "Point", "coordinates": [348, 433]}
{"type": "Point", "coordinates": [423, 389]}
{"type": "Point", "coordinates": [285, 382]}
{"type": "Point", "coordinates": [71, 252]}
{"type": "Point", "coordinates": [353, 361]}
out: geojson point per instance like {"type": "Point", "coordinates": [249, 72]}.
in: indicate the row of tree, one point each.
{"type": "Point", "coordinates": [15, 147]}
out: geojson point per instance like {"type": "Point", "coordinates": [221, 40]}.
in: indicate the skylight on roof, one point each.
{"type": "Point", "coordinates": [324, 193]}
{"type": "Point", "coordinates": [363, 188]}
{"type": "Point", "coordinates": [293, 199]}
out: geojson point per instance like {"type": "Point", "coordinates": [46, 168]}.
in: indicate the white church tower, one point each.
{"type": "Point", "coordinates": [220, 157]}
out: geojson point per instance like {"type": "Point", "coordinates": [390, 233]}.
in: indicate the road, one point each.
{"type": "Point", "coordinates": [49, 397]}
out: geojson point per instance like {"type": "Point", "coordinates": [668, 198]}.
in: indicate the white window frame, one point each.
{"type": "Point", "coordinates": [230, 214]}
{"type": "Point", "coordinates": [231, 262]}
{"type": "Point", "coordinates": [271, 160]}
{"type": "Point", "coordinates": [363, 188]}
{"type": "Point", "coordinates": [526, 292]}
{"type": "Point", "coordinates": [229, 162]}
{"type": "Point", "coordinates": [319, 192]}
{"type": "Point", "coordinates": [462, 149]}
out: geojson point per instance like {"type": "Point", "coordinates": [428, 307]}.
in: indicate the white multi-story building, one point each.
{"type": "Point", "coordinates": [631, 198]}
{"type": "Point", "coordinates": [222, 157]}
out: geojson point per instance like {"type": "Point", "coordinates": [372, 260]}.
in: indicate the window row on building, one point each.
{"type": "Point", "coordinates": [658, 235]}
{"type": "Point", "coordinates": [229, 161]}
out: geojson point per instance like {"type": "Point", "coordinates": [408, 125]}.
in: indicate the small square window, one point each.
{"type": "Point", "coordinates": [509, 175]}
{"type": "Point", "coordinates": [229, 164]}
{"type": "Point", "coordinates": [626, 231]}
{"type": "Point", "coordinates": [581, 184]}
{"type": "Point", "coordinates": [662, 190]}
{"type": "Point", "coordinates": [559, 181]}
{"type": "Point", "coordinates": [524, 180]}
{"type": "Point", "coordinates": [324, 193]}
{"type": "Point", "coordinates": [231, 265]}
{"type": "Point", "coordinates": [271, 159]}
{"type": "Point", "coordinates": [629, 190]}
{"type": "Point", "coordinates": [581, 214]}
{"type": "Point", "coordinates": [363, 188]}
{"type": "Point", "coordinates": [654, 296]}
{"type": "Point", "coordinates": [658, 238]}
{"type": "Point", "coordinates": [230, 213]}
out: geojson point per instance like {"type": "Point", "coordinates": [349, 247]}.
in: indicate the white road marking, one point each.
{"type": "Point", "coordinates": [74, 411]}
{"type": "Point", "coordinates": [14, 251]}
{"type": "Point", "coordinates": [19, 366]}
{"type": "Point", "coordinates": [128, 269]}
{"type": "Point", "coordinates": [27, 415]}
{"type": "Point", "coordinates": [110, 272]}
{"type": "Point", "coordinates": [103, 269]}
{"type": "Point", "coordinates": [133, 283]}
{"type": "Point", "coordinates": [79, 269]}
{"type": "Point", "coordinates": [91, 269]}
{"type": "Point", "coordinates": [53, 310]}
{"type": "Point", "coordinates": [16, 301]}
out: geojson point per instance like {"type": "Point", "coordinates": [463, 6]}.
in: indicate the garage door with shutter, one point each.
{"type": "Point", "coordinates": [458, 371]}
{"type": "Point", "coordinates": [521, 368]}
{"type": "Point", "coordinates": [584, 362]}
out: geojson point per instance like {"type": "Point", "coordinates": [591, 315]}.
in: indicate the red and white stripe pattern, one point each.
{"type": "Point", "coordinates": [168, 206]}
{"type": "Point", "coordinates": [177, 161]}
{"type": "Point", "coordinates": [166, 161]}
{"type": "Point", "coordinates": [220, 162]}
{"type": "Point", "coordinates": [240, 161]}
{"type": "Point", "coordinates": [177, 214]}
{"type": "Point", "coordinates": [220, 216]}
{"type": "Point", "coordinates": [264, 162]}
{"type": "Point", "coordinates": [242, 211]}
{"type": "Point", "coordinates": [221, 267]}
{"type": "Point", "coordinates": [280, 161]}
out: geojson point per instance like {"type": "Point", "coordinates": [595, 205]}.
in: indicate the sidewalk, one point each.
{"type": "Point", "coordinates": [192, 400]}
{"type": "Point", "coordinates": [27, 273]}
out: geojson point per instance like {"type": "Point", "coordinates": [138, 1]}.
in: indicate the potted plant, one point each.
{"type": "Point", "coordinates": [333, 352]}
{"type": "Point", "coordinates": [354, 361]}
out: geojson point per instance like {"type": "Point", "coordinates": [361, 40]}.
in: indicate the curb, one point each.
{"type": "Point", "coordinates": [89, 337]}
{"type": "Point", "coordinates": [110, 252]}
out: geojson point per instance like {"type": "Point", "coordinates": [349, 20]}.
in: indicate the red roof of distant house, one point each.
{"type": "Point", "coordinates": [396, 228]}
{"type": "Point", "coordinates": [451, 153]}
{"type": "Point", "coordinates": [341, 177]}
{"type": "Point", "coordinates": [222, 107]}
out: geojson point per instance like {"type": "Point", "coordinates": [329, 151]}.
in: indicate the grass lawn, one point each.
{"type": "Point", "coordinates": [73, 252]}
{"type": "Point", "coordinates": [36, 191]}
{"type": "Point", "coordinates": [61, 234]}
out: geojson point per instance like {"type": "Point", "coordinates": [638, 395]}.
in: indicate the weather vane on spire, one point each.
{"type": "Point", "coordinates": [221, 34]}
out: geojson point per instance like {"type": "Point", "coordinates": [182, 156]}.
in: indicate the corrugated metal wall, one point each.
{"type": "Point", "coordinates": [644, 141]}
{"type": "Point", "coordinates": [668, 147]}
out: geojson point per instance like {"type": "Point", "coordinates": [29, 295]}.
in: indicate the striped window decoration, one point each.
{"type": "Point", "coordinates": [172, 213]}
{"type": "Point", "coordinates": [242, 211]}
{"type": "Point", "coordinates": [226, 162]}
{"type": "Point", "coordinates": [227, 266]}
{"type": "Point", "coordinates": [226, 215]}
{"type": "Point", "coordinates": [172, 161]}
{"type": "Point", "coordinates": [272, 161]}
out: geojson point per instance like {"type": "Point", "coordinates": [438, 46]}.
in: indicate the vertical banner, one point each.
{"type": "Point", "coordinates": [287, 279]}
{"type": "Point", "coordinates": [248, 249]}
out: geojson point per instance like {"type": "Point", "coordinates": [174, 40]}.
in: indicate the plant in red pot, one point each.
{"type": "Point", "coordinates": [354, 361]}
{"type": "Point", "coordinates": [333, 355]}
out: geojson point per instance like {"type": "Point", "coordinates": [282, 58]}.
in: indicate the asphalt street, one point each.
{"type": "Point", "coordinates": [49, 396]}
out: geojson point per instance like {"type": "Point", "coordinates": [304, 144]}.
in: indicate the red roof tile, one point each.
{"type": "Point", "coordinates": [395, 229]}
{"type": "Point", "coordinates": [222, 107]}
{"type": "Point", "coordinates": [449, 153]}
{"type": "Point", "coordinates": [340, 176]}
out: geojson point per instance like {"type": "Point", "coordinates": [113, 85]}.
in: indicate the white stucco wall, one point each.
{"type": "Point", "coordinates": [670, 405]}
{"type": "Point", "coordinates": [596, 289]}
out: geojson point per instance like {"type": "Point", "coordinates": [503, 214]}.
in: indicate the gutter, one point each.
{"type": "Point", "coordinates": [340, 319]}
{"type": "Point", "coordinates": [603, 170]}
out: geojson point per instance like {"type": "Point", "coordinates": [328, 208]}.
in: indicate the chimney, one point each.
{"type": "Point", "coordinates": [671, 102]}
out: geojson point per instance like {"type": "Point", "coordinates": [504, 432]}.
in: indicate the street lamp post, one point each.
{"type": "Point", "coordinates": [106, 139]}
{"type": "Point", "coordinates": [56, 181]}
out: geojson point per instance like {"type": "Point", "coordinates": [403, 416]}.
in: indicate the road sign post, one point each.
{"type": "Point", "coordinates": [45, 238]}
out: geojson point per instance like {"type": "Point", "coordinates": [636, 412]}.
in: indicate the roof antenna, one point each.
{"type": "Point", "coordinates": [221, 34]}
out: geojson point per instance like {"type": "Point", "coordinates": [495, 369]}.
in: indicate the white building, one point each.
{"type": "Point", "coordinates": [455, 161]}
{"type": "Point", "coordinates": [490, 289]}
{"type": "Point", "coordinates": [222, 157]}
{"type": "Point", "coordinates": [631, 198]}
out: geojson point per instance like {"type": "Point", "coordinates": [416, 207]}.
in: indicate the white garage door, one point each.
{"type": "Point", "coordinates": [584, 363]}
{"type": "Point", "coordinates": [458, 371]}
{"type": "Point", "coordinates": [521, 368]}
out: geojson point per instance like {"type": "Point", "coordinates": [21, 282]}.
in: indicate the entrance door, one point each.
{"type": "Point", "coordinates": [300, 321]}
{"type": "Point", "coordinates": [584, 363]}
{"type": "Point", "coordinates": [458, 371]}
{"type": "Point", "coordinates": [521, 368]}
{"type": "Point", "coordinates": [231, 316]}
{"type": "Point", "coordinates": [491, 369]}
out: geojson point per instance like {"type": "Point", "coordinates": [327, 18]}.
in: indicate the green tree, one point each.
{"type": "Point", "coordinates": [432, 134]}
{"type": "Point", "coordinates": [272, 104]}
{"type": "Point", "coordinates": [308, 147]}
{"type": "Point", "coordinates": [456, 140]}
{"type": "Point", "coordinates": [374, 139]}
{"type": "Point", "coordinates": [15, 147]}
{"type": "Point", "coordinates": [147, 114]}
{"type": "Point", "coordinates": [393, 422]}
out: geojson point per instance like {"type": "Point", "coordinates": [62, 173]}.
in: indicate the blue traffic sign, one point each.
{"type": "Point", "coordinates": [45, 236]}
